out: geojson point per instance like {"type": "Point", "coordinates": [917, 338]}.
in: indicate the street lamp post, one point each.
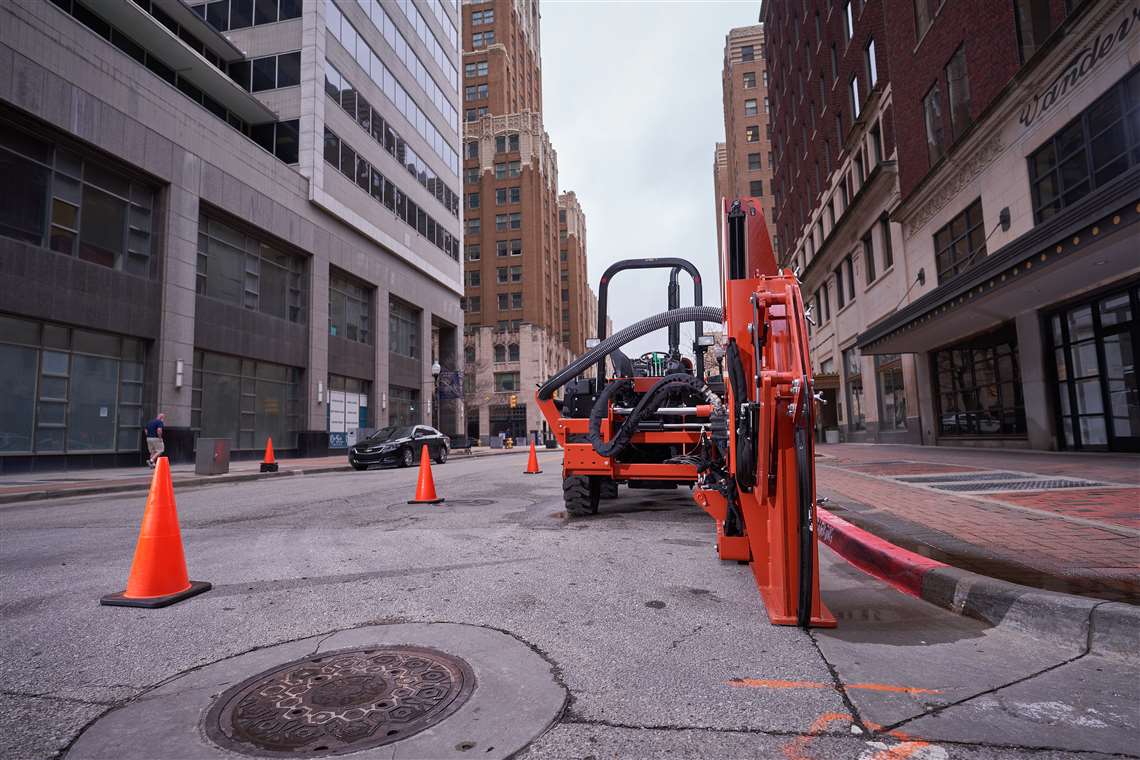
{"type": "Point", "coordinates": [435, 370]}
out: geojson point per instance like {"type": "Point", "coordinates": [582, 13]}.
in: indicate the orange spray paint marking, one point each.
{"type": "Point", "coordinates": [794, 750]}
{"type": "Point", "coordinates": [765, 683]}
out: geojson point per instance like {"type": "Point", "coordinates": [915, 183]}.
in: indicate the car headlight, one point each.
{"type": "Point", "coordinates": [386, 448]}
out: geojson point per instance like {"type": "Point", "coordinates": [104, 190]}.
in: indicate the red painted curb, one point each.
{"type": "Point", "coordinates": [898, 567]}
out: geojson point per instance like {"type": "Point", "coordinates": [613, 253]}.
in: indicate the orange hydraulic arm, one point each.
{"type": "Point", "coordinates": [765, 509]}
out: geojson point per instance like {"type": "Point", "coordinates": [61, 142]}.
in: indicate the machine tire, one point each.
{"type": "Point", "coordinates": [407, 457]}
{"type": "Point", "coordinates": [441, 457]}
{"type": "Point", "coordinates": [580, 495]}
{"type": "Point", "coordinates": [608, 489]}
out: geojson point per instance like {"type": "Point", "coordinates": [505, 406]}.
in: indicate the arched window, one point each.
{"type": "Point", "coordinates": [500, 353]}
{"type": "Point", "coordinates": [514, 352]}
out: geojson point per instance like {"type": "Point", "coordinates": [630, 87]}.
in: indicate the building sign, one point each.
{"type": "Point", "coordinates": [346, 413]}
{"type": "Point", "coordinates": [1080, 66]}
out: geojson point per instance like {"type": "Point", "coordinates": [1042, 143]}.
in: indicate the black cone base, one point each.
{"type": "Point", "coordinates": [150, 602]}
{"type": "Point", "coordinates": [426, 501]}
{"type": "Point", "coordinates": [536, 472]}
{"type": "Point", "coordinates": [268, 467]}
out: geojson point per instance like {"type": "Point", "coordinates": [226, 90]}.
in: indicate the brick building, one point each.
{"type": "Point", "coordinates": [514, 325]}
{"type": "Point", "coordinates": [991, 268]}
{"type": "Point", "coordinates": [746, 162]}
{"type": "Point", "coordinates": [243, 215]}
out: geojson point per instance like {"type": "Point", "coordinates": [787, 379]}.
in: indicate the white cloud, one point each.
{"type": "Point", "coordinates": [632, 102]}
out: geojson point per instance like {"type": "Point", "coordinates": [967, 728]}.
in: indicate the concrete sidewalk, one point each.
{"type": "Point", "coordinates": [53, 484]}
{"type": "Point", "coordinates": [1062, 522]}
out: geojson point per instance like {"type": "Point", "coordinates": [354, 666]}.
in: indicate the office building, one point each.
{"type": "Point", "coordinates": [244, 215]}
{"type": "Point", "coordinates": [984, 250]}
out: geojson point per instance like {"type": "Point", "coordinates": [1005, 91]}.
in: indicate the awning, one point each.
{"type": "Point", "coordinates": [147, 31]}
{"type": "Point", "coordinates": [1092, 242]}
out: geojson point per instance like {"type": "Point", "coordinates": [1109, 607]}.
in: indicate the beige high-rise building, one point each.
{"type": "Point", "coordinates": [742, 164]}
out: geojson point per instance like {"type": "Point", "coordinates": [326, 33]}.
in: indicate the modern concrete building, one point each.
{"type": "Point", "coordinates": [747, 159]}
{"type": "Point", "coordinates": [212, 211]}
{"type": "Point", "coordinates": [1002, 144]}
{"type": "Point", "coordinates": [516, 318]}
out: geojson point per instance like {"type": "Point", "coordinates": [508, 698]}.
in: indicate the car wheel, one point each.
{"type": "Point", "coordinates": [441, 457]}
{"type": "Point", "coordinates": [358, 465]}
{"type": "Point", "coordinates": [406, 458]}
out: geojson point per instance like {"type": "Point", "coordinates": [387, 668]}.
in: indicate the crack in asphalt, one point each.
{"type": "Point", "coordinates": [583, 721]}
{"type": "Point", "coordinates": [53, 698]}
{"type": "Point", "coordinates": [839, 686]}
{"type": "Point", "coordinates": [942, 708]}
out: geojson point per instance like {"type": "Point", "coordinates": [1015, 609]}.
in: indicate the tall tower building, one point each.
{"type": "Point", "coordinates": [243, 214]}
{"type": "Point", "coordinates": [514, 326]}
{"type": "Point", "coordinates": [747, 150]}
{"type": "Point", "coordinates": [578, 299]}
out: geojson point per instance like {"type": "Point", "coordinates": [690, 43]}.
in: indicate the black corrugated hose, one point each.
{"type": "Point", "coordinates": [620, 338]}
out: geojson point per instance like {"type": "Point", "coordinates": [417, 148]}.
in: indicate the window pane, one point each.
{"type": "Point", "coordinates": [103, 227]}
{"type": "Point", "coordinates": [24, 210]}
{"type": "Point", "coordinates": [17, 402]}
{"type": "Point", "coordinates": [94, 394]}
{"type": "Point", "coordinates": [264, 73]}
{"type": "Point", "coordinates": [265, 11]}
{"type": "Point", "coordinates": [289, 69]}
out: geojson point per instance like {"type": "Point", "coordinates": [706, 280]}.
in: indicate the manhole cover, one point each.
{"type": "Point", "coordinates": [472, 502]}
{"type": "Point", "coordinates": [338, 702]}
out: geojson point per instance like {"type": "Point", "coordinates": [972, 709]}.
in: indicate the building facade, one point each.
{"type": "Point", "coordinates": [579, 303]}
{"type": "Point", "coordinates": [747, 151]}
{"type": "Point", "coordinates": [214, 211]}
{"type": "Point", "coordinates": [518, 329]}
{"type": "Point", "coordinates": [996, 206]}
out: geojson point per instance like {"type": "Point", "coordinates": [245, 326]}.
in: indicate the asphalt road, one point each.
{"type": "Point", "coordinates": [664, 651]}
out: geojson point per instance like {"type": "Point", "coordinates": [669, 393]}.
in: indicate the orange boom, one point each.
{"type": "Point", "coordinates": [740, 436]}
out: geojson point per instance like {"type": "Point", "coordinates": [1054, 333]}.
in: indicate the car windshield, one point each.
{"type": "Point", "coordinates": [391, 433]}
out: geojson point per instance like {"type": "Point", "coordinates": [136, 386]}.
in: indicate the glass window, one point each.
{"type": "Point", "coordinates": [17, 402]}
{"type": "Point", "coordinates": [246, 401]}
{"type": "Point", "coordinates": [856, 416]}
{"type": "Point", "coordinates": [241, 270]}
{"type": "Point", "coordinates": [1034, 25]}
{"type": "Point", "coordinates": [289, 69]}
{"type": "Point", "coordinates": [871, 64]}
{"type": "Point", "coordinates": [978, 387]}
{"type": "Point", "coordinates": [1091, 150]}
{"type": "Point", "coordinates": [932, 117]}
{"type": "Point", "coordinates": [924, 11]}
{"type": "Point", "coordinates": [892, 398]}
{"type": "Point", "coordinates": [506, 381]}
{"type": "Point", "coordinates": [958, 87]}
{"type": "Point", "coordinates": [264, 73]}
{"type": "Point", "coordinates": [403, 329]}
{"type": "Point", "coordinates": [403, 405]}
{"type": "Point", "coordinates": [961, 243]}
{"type": "Point", "coordinates": [91, 412]}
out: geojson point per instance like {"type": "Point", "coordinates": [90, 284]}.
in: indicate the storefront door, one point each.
{"type": "Point", "coordinates": [1098, 392]}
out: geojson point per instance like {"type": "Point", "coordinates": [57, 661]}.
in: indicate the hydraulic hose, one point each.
{"type": "Point", "coordinates": [647, 406]}
{"type": "Point", "coordinates": [621, 337]}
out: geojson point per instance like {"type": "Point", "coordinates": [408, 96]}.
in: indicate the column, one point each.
{"type": "Point", "coordinates": [179, 275]}
{"type": "Point", "coordinates": [313, 438]}
{"type": "Point", "coordinates": [1039, 421]}
{"type": "Point", "coordinates": [926, 401]}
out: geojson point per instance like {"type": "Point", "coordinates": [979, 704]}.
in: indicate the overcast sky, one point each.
{"type": "Point", "coordinates": [632, 102]}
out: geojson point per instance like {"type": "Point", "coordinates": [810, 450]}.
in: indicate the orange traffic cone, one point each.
{"type": "Point", "coordinates": [158, 573]}
{"type": "Point", "coordinates": [532, 461]}
{"type": "Point", "coordinates": [425, 486]}
{"type": "Point", "coordinates": [269, 463]}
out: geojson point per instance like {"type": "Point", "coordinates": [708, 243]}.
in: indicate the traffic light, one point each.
{"type": "Point", "coordinates": [514, 401]}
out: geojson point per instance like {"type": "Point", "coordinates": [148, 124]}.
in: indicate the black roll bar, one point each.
{"type": "Point", "coordinates": [674, 302]}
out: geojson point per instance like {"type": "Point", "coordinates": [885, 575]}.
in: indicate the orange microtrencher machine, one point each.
{"type": "Point", "coordinates": [739, 435]}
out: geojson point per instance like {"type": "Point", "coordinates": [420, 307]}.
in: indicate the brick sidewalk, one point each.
{"type": "Point", "coordinates": [1065, 522]}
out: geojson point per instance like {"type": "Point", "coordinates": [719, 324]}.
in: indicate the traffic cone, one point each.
{"type": "Point", "coordinates": [425, 486]}
{"type": "Point", "coordinates": [269, 462]}
{"type": "Point", "coordinates": [158, 573]}
{"type": "Point", "coordinates": [532, 461]}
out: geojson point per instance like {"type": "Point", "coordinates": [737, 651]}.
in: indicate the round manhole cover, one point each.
{"type": "Point", "coordinates": [338, 702]}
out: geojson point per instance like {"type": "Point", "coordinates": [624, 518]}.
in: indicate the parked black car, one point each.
{"type": "Point", "coordinates": [399, 445]}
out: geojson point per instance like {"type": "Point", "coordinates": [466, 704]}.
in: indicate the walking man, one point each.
{"type": "Point", "coordinates": [154, 442]}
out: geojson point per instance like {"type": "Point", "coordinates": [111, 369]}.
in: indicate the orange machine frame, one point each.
{"type": "Point", "coordinates": [759, 299]}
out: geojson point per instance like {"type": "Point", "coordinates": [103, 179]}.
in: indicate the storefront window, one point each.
{"type": "Point", "coordinates": [244, 271]}
{"type": "Point", "coordinates": [68, 390]}
{"type": "Point", "coordinates": [979, 387]}
{"type": "Point", "coordinates": [892, 399]}
{"type": "Point", "coordinates": [246, 401]}
{"type": "Point", "coordinates": [856, 418]}
{"type": "Point", "coordinates": [347, 409]}
{"type": "Point", "coordinates": [74, 205]}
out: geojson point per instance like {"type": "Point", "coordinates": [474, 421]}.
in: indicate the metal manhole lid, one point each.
{"type": "Point", "coordinates": [332, 703]}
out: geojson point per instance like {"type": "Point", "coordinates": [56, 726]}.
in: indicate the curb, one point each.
{"type": "Point", "coordinates": [1098, 626]}
{"type": "Point", "coordinates": [198, 482]}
